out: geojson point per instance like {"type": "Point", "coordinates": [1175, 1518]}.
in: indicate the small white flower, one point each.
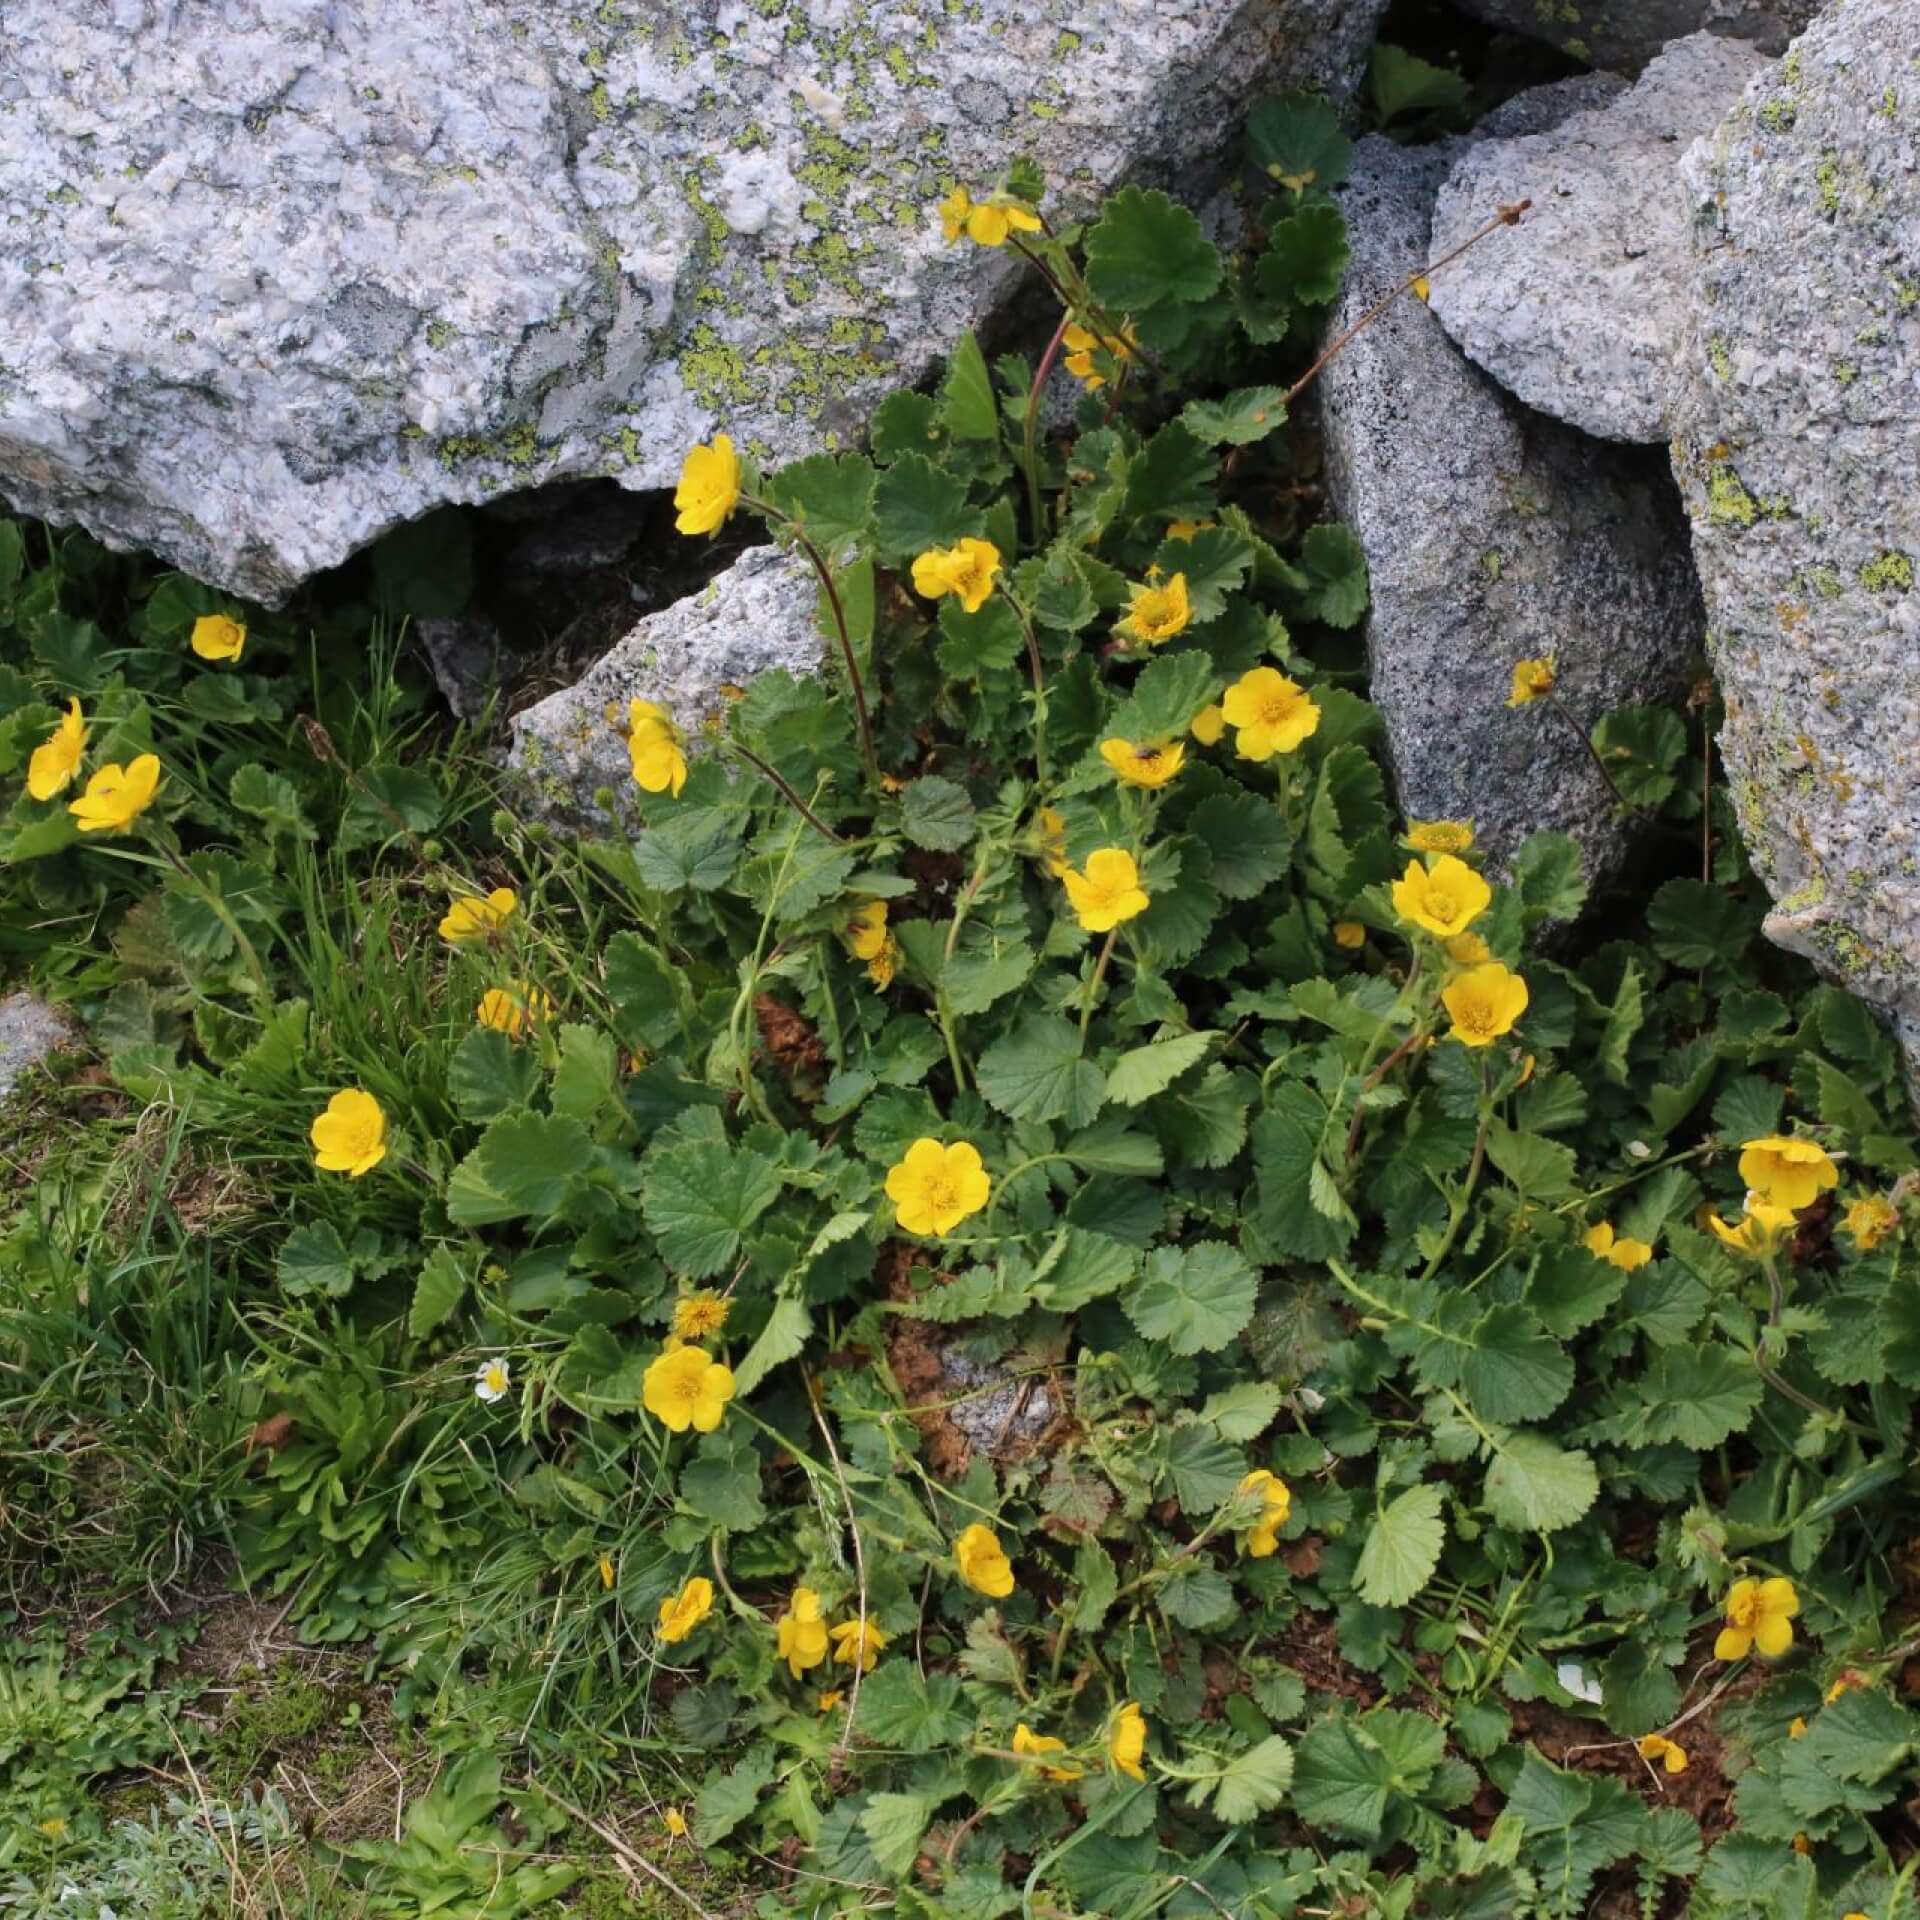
{"type": "Point", "coordinates": [491, 1381]}
{"type": "Point", "coordinates": [1573, 1677]}
{"type": "Point", "coordinates": [1639, 1149]}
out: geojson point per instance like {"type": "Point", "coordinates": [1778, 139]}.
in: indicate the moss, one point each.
{"type": "Point", "coordinates": [1491, 563]}
{"type": "Point", "coordinates": [1845, 372]}
{"type": "Point", "coordinates": [601, 102]}
{"type": "Point", "coordinates": [1906, 294]}
{"type": "Point", "coordinates": [1067, 43]}
{"type": "Point", "coordinates": [1778, 113]}
{"type": "Point", "coordinates": [1729, 504]}
{"type": "Point", "coordinates": [1827, 177]}
{"type": "Point", "coordinates": [1889, 570]}
{"type": "Point", "coordinates": [1719, 359]}
{"type": "Point", "coordinates": [438, 333]}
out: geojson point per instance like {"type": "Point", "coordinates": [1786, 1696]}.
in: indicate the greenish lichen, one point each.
{"type": "Point", "coordinates": [1779, 112]}
{"type": "Point", "coordinates": [1719, 358]}
{"type": "Point", "coordinates": [1729, 504]}
{"type": "Point", "coordinates": [1889, 570]}
{"type": "Point", "coordinates": [1845, 372]}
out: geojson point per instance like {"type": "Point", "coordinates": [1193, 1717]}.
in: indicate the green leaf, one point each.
{"type": "Point", "coordinates": [695, 847]}
{"type": "Point", "coordinates": [1194, 1298]}
{"type": "Point", "coordinates": [1248, 837]}
{"type": "Point", "coordinates": [1251, 1783]}
{"type": "Point", "coordinates": [1306, 257]}
{"type": "Point", "coordinates": [1170, 690]}
{"type": "Point", "coordinates": [1204, 1468]}
{"type": "Point", "coordinates": [441, 1286]}
{"type": "Point", "coordinates": [829, 496]}
{"type": "Point", "coordinates": [1547, 874]}
{"type": "Point", "coordinates": [1541, 1169]}
{"type": "Point", "coordinates": [586, 1081]}
{"type": "Point", "coordinates": [488, 1075]}
{"type": "Point", "coordinates": [1198, 1595]}
{"type": "Point", "coordinates": [721, 1482]}
{"type": "Point", "coordinates": [699, 1197]}
{"type": "Point", "coordinates": [314, 1259]}
{"type": "Point", "coordinates": [1402, 82]}
{"type": "Point", "coordinates": [1295, 139]}
{"type": "Point", "coordinates": [1402, 1547]}
{"type": "Point", "coordinates": [1147, 249]}
{"type": "Point", "coordinates": [1145, 1071]}
{"type": "Point", "coordinates": [968, 409]}
{"type": "Point", "coordinates": [1641, 746]}
{"type": "Point", "coordinates": [1244, 1410]}
{"type": "Point", "coordinates": [899, 1708]}
{"type": "Point", "coordinates": [894, 1824]}
{"type": "Point", "coordinates": [1346, 1778]}
{"type": "Point", "coordinates": [1516, 1370]}
{"type": "Point", "coordinates": [1571, 1289]}
{"type": "Point", "coordinates": [783, 1338]}
{"type": "Point", "coordinates": [1698, 1395]}
{"type": "Point", "coordinates": [937, 813]}
{"type": "Point", "coordinates": [977, 645]}
{"type": "Point", "coordinates": [1538, 1487]}
{"type": "Point", "coordinates": [1172, 478]}
{"type": "Point", "coordinates": [1245, 415]}
{"type": "Point", "coordinates": [728, 1798]}
{"type": "Point", "coordinates": [1286, 1142]}
{"type": "Point", "coordinates": [643, 989]}
{"type": "Point", "coordinates": [1694, 924]}
{"type": "Point", "coordinates": [521, 1169]}
{"type": "Point", "coordinates": [1036, 1072]}
{"type": "Point", "coordinates": [1204, 1123]}
{"type": "Point", "coordinates": [1335, 564]}
{"type": "Point", "coordinates": [917, 505]}
{"type": "Point", "coordinates": [272, 799]}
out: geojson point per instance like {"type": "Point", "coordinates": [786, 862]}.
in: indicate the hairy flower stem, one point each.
{"type": "Point", "coordinates": [1037, 668]}
{"type": "Point", "coordinates": [1506, 217]}
{"type": "Point", "coordinates": [841, 632]}
{"type": "Point", "coordinates": [1593, 753]}
{"type": "Point", "coordinates": [787, 791]}
{"type": "Point", "coordinates": [1093, 985]}
{"type": "Point", "coordinates": [1030, 437]}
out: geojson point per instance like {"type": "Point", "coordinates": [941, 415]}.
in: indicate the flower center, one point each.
{"type": "Point", "coordinates": [1275, 709]}
{"type": "Point", "coordinates": [942, 1193]}
{"type": "Point", "coordinates": [1441, 905]}
{"type": "Point", "coordinates": [1745, 1610]}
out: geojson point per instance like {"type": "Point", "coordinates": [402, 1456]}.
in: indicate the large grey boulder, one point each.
{"type": "Point", "coordinates": [1626, 34]}
{"type": "Point", "coordinates": [571, 750]}
{"type": "Point", "coordinates": [29, 1031]}
{"type": "Point", "coordinates": [276, 275]}
{"type": "Point", "coordinates": [1797, 443]}
{"type": "Point", "coordinates": [1492, 534]}
{"type": "Point", "coordinates": [1578, 309]}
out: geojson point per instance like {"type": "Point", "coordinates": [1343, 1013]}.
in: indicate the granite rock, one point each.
{"type": "Point", "coordinates": [278, 275]}
{"type": "Point", "coordinates": [756, 614]}
{"type": "Point", "coordinates": [1578, 308]}
{"type": "Point", "coordinates": [30, 1030]}
{"type": "Point", "coordinates": [1492, 534]}
{"type": "Point", "coordinates": [1797, 445]}
{"type": "Point", "coordinates": [1626, 34]}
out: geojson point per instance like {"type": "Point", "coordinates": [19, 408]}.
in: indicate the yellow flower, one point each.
{"type": "Point", "coordinates": [1532, 680]}
{"type": "Point", "coordinates": [1627, 1255]}
{"type": "Point", "coordinates": [829, 1700]}
{"type": "Point", "coordinates": [990, 223]}
{"type": "Point", "coordinates": [116, 796]}
{"type": "Point", "coordinates": [681, 1612]}
{"type": "Point", "coordinates": [675, 1823]}
{"type": "Point", "coordinates": [1847, 1682]}
{"type": "Point", "coordinates": [351, 1136]}
{"type": "Point", "coordinates": [1025, 1740]}
{"type": "Point", "coordinates": [983, 1562]}
{"type": "Point", "coordinates": [1156, 611]}
{"type": "Point", "coordinates": [954, 211]}
{"type": "Point", "coordinates": [1143, 764]}
{"type": "Point", "coordinates": [1349, 934]}
{"type": "Point", "coordinates": [1444, 898]}
{"type": "Point", "coordinates": [53, 1827]}
{"type": "Point", "coordinates": [1439, 836]}
{"type": "Point", "coordinates": [215, 637]}
{"type": "Point", "coordinates": [653, 748]}
{"type": "Point", "coordinates": [1787, 1172]}
{"type": "Point", "coordinates": [801, 1634]}
{"type": "Point", "coordinates": [1801, 1844]}
{"type": "Point", "coordinates": [934, 1188]}
{"type": "Point", "coordinates": [1870, 1219]}
{"type": "Point", "coordinates": [1467, 950]}
{"type": "Point", "coordinates": [1276, 1501]}
{"type": "Point", "coordinates": [687, 1387]}
{"type": "Point", "coordinates": [709, 488]}
{"type": "Point", "coordinates": [698, 1316]}
{"type": "Point", "coordinates": [1759, 1231]}
{"type": "Point", "coordinates": [885, 964]}
{"type": "Point", "coordinates": [1483, 1002]}
{"type": "Point", "coordinates": [509, 1010]}
{"type": "Point", "coordinates": [966, 568]}
{"type": "Point", "coordinates": [1759, 1615]}
{"type": "Point", "coordinates": [57, 758]}
{"type": "Point", "coordinates": [1796, 1727]}
{"type": "Point", "coordinates": [471, 919]}
{"type": "Point", "coordinates": [1186, 529]}
{"type": "Point", "coordinates": [1127, 1741]}
{"type": "Point", "coordinates": [1270, 714]}
{"type": "Point", "coordinates": [1670, 1753]}
{"type": "Point", "coordinates": [1108, 892]}
{"type": "Point", "coordinates": [1053, 841]}
{"type": "Point", "coordinates": [605, 1564]}
{"type": "Point", "coordinates": [851, 1646]}
{"type": "Point", "coordinates": [1209, 724]}
{"type": "Point", "coordinates": [1082, 346]}
{"type": "Point", "coordinates": [867, 935]}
